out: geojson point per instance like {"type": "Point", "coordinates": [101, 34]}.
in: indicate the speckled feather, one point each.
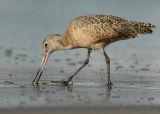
{"type": "Point", "coordinates": [97, 31]}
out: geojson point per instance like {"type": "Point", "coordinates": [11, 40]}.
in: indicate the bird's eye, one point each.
{"type": "Point", "coordinates": [45, 45]}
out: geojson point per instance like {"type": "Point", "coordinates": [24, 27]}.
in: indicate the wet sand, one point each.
{"type": "Point", "coordinates": [135, 84]}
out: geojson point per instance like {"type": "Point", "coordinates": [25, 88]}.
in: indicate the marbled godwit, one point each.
{"type": "Point", "coordinates": [93, 32]}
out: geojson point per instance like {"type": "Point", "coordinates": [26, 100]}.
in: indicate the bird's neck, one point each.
{"type": "Point", "coordinates": [65, 43]}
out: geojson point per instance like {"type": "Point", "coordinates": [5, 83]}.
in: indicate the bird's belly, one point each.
{"type": "Point", "coordinates": [98, 46]}
{"type": "Point", "coordinates": [83, 39]}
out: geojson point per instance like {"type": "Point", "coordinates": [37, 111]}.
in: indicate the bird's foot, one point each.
{"type": "Point", "coordinates": [66, 82]}
{"type": "Point", "coordinates": [109, 84]}
{"type": "Point", "coordinates": [35, 83]}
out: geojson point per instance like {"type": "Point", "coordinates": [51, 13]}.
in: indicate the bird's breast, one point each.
{"type": "Point", "coordinates": [79, 37]}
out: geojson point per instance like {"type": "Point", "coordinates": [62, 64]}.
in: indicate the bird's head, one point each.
{"type": "Point", "coordinates": [51, 43]}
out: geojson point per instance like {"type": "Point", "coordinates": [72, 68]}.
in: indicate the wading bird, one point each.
{"type": "Point", "coordinates": [93, 32]}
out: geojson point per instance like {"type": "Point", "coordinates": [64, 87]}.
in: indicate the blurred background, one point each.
{"type": "Point", "coordinates": [25, 24]}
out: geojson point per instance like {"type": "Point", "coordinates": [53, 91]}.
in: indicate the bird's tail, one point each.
{"type": "Point", "coordinates": [143, 28]}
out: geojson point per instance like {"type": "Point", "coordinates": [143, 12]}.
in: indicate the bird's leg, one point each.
{"type": "Point", "coordinates": [65, 82]}
{"type": "Point", "coordinates": [109, 83]}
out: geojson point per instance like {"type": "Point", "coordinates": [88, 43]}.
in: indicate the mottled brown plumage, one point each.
{"type": "Point", "coordinates": [97, 31]}
{"type": "Point", "coordinates": [93, 32]}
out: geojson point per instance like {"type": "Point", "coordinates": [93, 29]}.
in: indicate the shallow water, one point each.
{"type": "Point", "coordinates": [24, 25]}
